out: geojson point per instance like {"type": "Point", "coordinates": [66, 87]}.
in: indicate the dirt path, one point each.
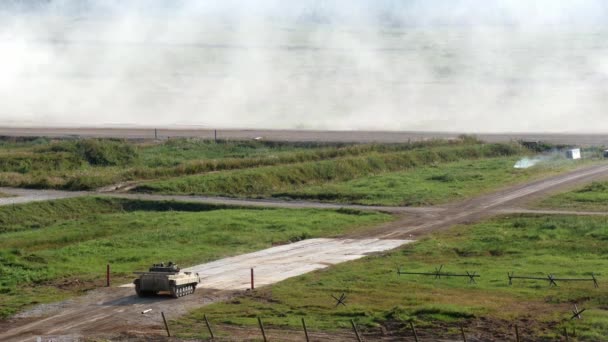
{"type": "Point", "coordinates": [104, 313]}
{"type": "Point", "coordinates": [271, 203]}
{"type": "Point", "coordinates": [21, 196]}
{"type": "Point", "coordinates": [138, 132]}
{"type": "Point", "coordinates": [473, 210]}
{"type": "Point", "coordinates": [116, 311]}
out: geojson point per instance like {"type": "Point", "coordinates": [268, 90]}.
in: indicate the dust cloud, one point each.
{"type": "Point", "coordinates": [462, 65]}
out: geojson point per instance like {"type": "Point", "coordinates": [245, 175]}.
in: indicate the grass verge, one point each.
{"type": "Point", "coordinates": [429, 185]}
{"type": "Point", "coordinates": [592, 197]}
{"type": "Point", "coordinates": [287, 179]}
{"type": "Point", "coordinates": [376, 295]}
{"type": "Point", "coordinates": [86, 164]}
{"type": "Point", "coordinates": [52, 250]}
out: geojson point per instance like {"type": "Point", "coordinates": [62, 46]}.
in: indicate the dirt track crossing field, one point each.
{"type": "Point", "coordinates": [117, 311]}
{"type": "Point", "coordinates": [135, 132]}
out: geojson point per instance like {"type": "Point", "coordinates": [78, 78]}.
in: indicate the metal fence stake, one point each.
{"type": "Point", "coordinates": [305, 329]}
{"type": "Point", "coordinates": [262, 328]}
{"type": "Point", "coordinates": [517, 333]}
{"type": "Point", "coordinates": [355, 330]}
{"type": "Point", "coordinates": [414, 331]}
{"type": "Point", "coordinates": [464, 337]}
{"type": "Point", "coordinates": [166, 326]}
{"type": "Point", "coordinates": [208, 327]}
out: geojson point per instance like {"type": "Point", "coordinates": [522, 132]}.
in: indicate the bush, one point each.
{"type": "Point", "coordinates": [594, 187]}
{"type": "Point", "coordinates": [28, 162]}
{"type": "Point", "coordinates": [96, 152]}
{"type": "Point", "coordinates": [106, 152]}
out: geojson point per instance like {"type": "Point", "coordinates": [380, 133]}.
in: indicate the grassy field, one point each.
{"type": "Point", "coordinates": [266, 181]}
{"type": "Point", "coordinates": [428, 185]}
{"type": "Point", "coordinates": [91, 163]}
{"type": "Point", "coordinates": [376, 295]}
{"type": "Point", "coordinates": [592, 197]}
{"type": "Point", "coordinates": [83, 164]}
{"type": "Point", "coordinates": [417, 177]}
{"type": "Point", "coordinates": [52, 250]}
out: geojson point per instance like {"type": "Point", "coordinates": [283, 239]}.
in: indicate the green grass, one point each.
{"type": "Point", "coordinates": [176, 151]}
{"type": "Point", "coordinates": [592, 197]}
{"type": "Point", "coordinates": [92, 163]}
{"type": "Point", "coordinates": [86, 164]}
{"type": "Point", "coordinates": [53, 250]}
{"type": "Point", "coordinates": [425, 177]}
{"type": "Point", "coordinates": [527, 245]}
{"type": "Point", "coordinates": [288, 179]}
{"type": "Point", "coordinates": [429, 185]}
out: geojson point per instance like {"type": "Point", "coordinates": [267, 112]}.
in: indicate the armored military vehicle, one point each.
{"type": "Point", "coordinates": [165, 278]}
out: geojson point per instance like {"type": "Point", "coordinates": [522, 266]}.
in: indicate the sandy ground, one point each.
{"type": "Point", "coordinates": [278, 263]}
{"type": "Point", "coordinates": [582, 139]}
{"type": "Point", "coordinates": [19, 196]}
{"type": "Point", "coordinates": [117, 311]}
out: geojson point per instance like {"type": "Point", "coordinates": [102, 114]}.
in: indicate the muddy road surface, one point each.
{"type": "Point", "coordinates": [116, 312]}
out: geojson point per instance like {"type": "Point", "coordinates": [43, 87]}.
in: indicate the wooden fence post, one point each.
{"type": "Point", "coordinates": [108, 275]}
{"type": "Point", "coordinates": [252, 283]}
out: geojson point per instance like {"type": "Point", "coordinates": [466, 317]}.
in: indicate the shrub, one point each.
{"type": "Point", "coordinates": [106, 152]}
{"type": "Point", "coordinates": [96, 152]}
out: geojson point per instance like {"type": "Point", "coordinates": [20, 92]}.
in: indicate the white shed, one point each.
{"type": "Point", "coordinates": [574, 153]}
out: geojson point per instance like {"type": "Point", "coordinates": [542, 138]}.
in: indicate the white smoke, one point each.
{"type": "Point", "coordinates": [525, 163]}
{"type": "Point", "coordinates": [554, 157]}
{"type": "Point", "coordinates": [358, 64]}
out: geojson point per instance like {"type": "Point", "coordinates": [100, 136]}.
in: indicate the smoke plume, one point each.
{"type": "Point", "coordinates": [461, 65]}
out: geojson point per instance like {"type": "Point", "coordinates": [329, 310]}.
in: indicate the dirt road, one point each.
{"type": "Point", "coordinates": [20, 196]}
{"type": "Point", "coordinates": [138, 132]}
{"type": "Point", "coordinates": [116, 311]}
{"type": "Point", "coordinates": [509, 200]}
